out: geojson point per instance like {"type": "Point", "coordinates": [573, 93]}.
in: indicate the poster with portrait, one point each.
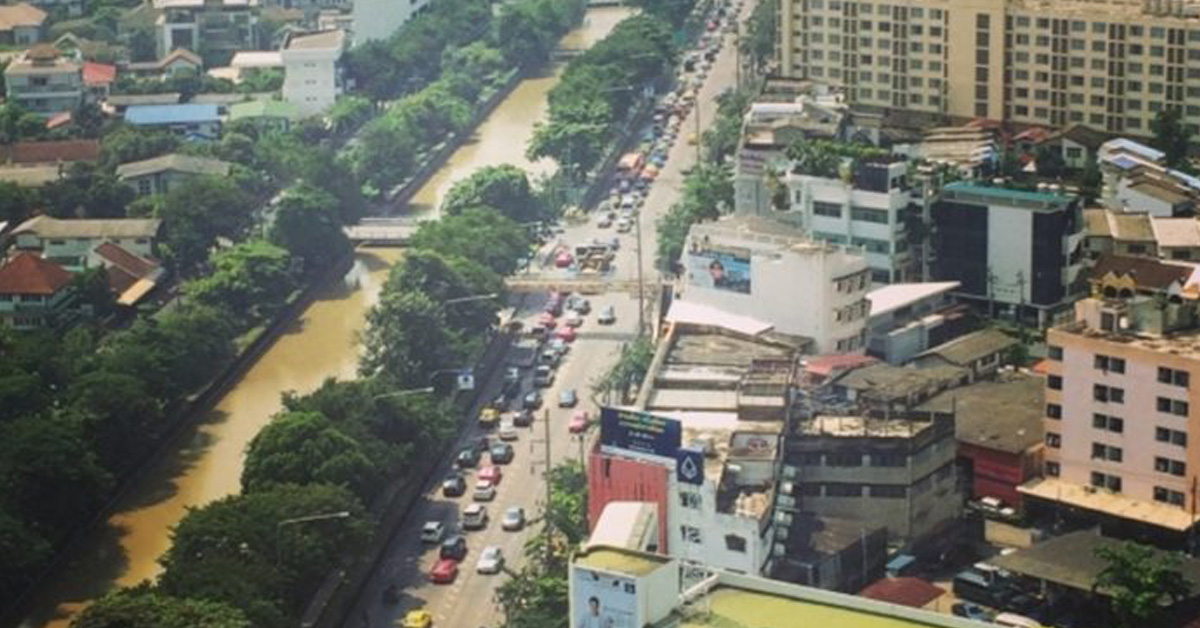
{"type": "Point", "coordinates": [719, 267]}
{"type": "Point", "coordinates": [602, 600]}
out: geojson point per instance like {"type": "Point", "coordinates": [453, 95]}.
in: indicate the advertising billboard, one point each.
{"type": "Point", "coordinates": [640, 432]}
{"type": "Point", "coordinates": [600, 600]}
{"type": "Point", "coordinates": [719, 267]}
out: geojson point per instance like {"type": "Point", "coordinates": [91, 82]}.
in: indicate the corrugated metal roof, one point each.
{"type": "Point", "coordinates": [171, 114]}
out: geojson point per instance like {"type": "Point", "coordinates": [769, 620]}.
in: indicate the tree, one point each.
{"type": "Point", "coordinates": [23, 552]}
{"type": "Point", "coordinates": [130, 143]}
{"type": "Point", "coordinates": [526, 32]}
{"type": "Point", "coordinates": [406, 339]}
{"type": "Point", "coordinates": [1091, 179]}
{"type": "Point", "coordinates": [758, 42]}
{"type": "Point", "coordinates": [196, 213]}
{"type": "Point", "coordinates": [16, 203]}
{"type": "Point", "coordinates": [350, 112]}
{"type": "Point", "coordinates": [467, 70]}
{"type": "Point", "coordinates": [476, 234]}
{"type": "Point", "coordinates": [308, 448]}
{"type": "Point", "coordinates": [504, 188]}
{"type": "Point", "coordinates": [146, 607]}
{"type": "Point", "coordinates": [121, 419]}
{"type": "Point", "coordinates": [384, 153]}
{"type": "Point", "coordinates": [568, 502]}
{"type": "Point", "coordinates": [87, 192]}
{"type": "Point", "coordinates": [1172, 137]}
{"type": "Point", "coordinates": [308, 225]}
{"type": "Point", "coordinates": [1140, 581]}
{"type": "Point", "coordinates": [444, 278]}
{"type": "Point", "coordinates": [250, 280]}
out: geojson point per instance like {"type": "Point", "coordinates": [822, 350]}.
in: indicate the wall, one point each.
{"type": "Point", "coordinates": [1010, 248]}
{"type": "Point", "coordinates": [310, 79]}
{"type": "Point", "coordinates": [713, 527]}
{"type": "Point", "coordinates": [612, 478]}
{"type": "Point", "coordinates": [994, 473]}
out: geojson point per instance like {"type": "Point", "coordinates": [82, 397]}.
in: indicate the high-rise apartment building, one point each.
{"type": "Point", "coordinates": [1112, 65]}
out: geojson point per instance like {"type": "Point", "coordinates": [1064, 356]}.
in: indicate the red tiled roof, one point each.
{"type": "Point", "coordinates": [826, 365]}
{"type": "Point", "coordinates": [50, 152]}
{"type": "Point", "coordinates": [130, 263]}
{"type": "Point", "coordinates": [27, 273]}
{"type": "Point", "coordinates": [98, 73]}
{"type": "Point", "coordinates": [905, 591]}
{"type": "Point", "coordinates": [1146, 273]}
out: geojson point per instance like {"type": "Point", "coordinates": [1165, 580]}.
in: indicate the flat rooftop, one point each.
{"type": "Point", "coordinates": [1182, 343]}
{"type": "Point", "coordinates": [986, 194]}
{"type": "Point", "coordinates": [621, 562]}
{"type": "Point", "coordinates": [1005, 414]}
{"type": "Point", "coordinates": [860, 426]}
{"type": "Point", "coordinates": [1108, 503]}
{"type": "Point", "coordinates": [730, 606]}
{"type": "Point", "coordinates": [715, 349]}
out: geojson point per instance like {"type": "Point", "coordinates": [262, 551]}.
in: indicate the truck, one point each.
{"type": "Point", "coordinates": [523, 353]}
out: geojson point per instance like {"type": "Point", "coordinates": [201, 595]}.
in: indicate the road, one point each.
{"type": "Point", "coordinates": [468, 602]}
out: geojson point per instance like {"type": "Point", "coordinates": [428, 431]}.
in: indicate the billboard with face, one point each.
{"type": "Point", "coordinates": [719, 267]}
{"type": "Point", "coordinates": [600, 600]}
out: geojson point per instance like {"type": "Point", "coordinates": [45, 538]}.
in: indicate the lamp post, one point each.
{"type": "Point", "coordinates": [474, 297]}
{"type": "Point", "coordinates": [401, 393]}
{"type": "Point", "coordinates": [325, 516]}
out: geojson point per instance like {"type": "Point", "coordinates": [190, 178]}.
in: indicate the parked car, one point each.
{"type": "Point", "coordinates": [579, 304]}
{"type": "Point", "coordinates": [524, 418]}
{"type": "Point", "coordinates": [419, 618]}
{"type": "Point", "coordinates": [454, 547]}
{"type": "Point", "coordinates": [533, 399]}
{"type": "Point", "coordinates": [579, 422]}
{"type": "Point", "coordinates": [445, 571]}
{"type": "Point", "coordinates": [491, 473]}
{"type": "Point", "coordinates": [543, 377]}
{"type": "Point", "coordinates": [468, 458]}
{"type": "Point", "coordinates": [482, 443]}
{"type": "Point", "coordinates": [475, 517]}
{"type": "Point", "coordinates": [514, 519]}
{"type": "Point", "coordinates": [574, 319]}
{"type": "Point", "coordinates": [507, 431]}
{"type": "Point", "coordinates": [567, 398]}
{"type": "Point", "coordinates": [566, 333]}
{"type": "Point", "coordinates": [485, 491]}
{"type": "Point", "coordinates": [971, 611]}
{"type": "Point", "coordinates": [563, 259]}
{"type": "Point", "coordinates": [454, 485]}
{"type": "Point", "coordinates": [490, 560]}
{"type": "Point", "coordinates": [432, 532]}
{"type": "Point", "coordinates": [607, 316]}
{"type": "Point", "coordinates": [624, 225]}
{"type": "Point", "coordinates": [512, 377]}
{"type": "Point", "coordinates": [549, 356]}
{"type": "Point", "coordinates": [559, 346]}
{"type": "Point", "coordinates": [502, 453]}
{"type": "Point", "coordinates": [604, 221]}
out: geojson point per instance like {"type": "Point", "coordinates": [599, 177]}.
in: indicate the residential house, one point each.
{"type": "Point", "coordinates": [21, 24]}
{"type": "Point", "coordinates": [34, 164]}
{"type": "Point", "coordinates": [247, 63]}
{"type": "Point", "coordinates": [34, 292]}
{"type": "Point", "coordinates": [312, 72]}
{"type": "Point", "coordinates": [69, 8]}
{"type": "Point", "coordinates": [45, 81]}
{"type": "Point", "coordinates": [98, 79]}
{"type": "Point", "coordinates": [175, 62]}
{"type": "Point", "coordinates": [191, 121]}
{"type": "Point", "coordinates": [981, 353]}
{"type": "Point", "coordinates": [266, 114]}
{"type": "Point", "coordinates": [72, 243]}
{"type": "Point", "coordinates": [1136, 179]}
{"type": "Point", "coordinates": [130, 276]}
{"type": "Point", "coordinates": [159, 174]}
{"type": "Point", "coordinates": [971, 150]}
{"type": "Point", "coordinates": [909, 318]}
{"type": "Point", "coordinates": [219, 28]}
{"type": "Point", "coordinates": [1078, 145]}
{"type": "Point", "coordinates": [1118, 233]}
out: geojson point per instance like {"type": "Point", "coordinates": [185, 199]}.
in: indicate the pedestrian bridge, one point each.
{"type": "Point", "coordinates": [580, 285]}
{"type": "Point", "coordinates": [381, 231]}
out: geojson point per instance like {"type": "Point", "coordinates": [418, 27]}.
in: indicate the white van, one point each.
{"type": "Point", "coordinates": [1013, 620]}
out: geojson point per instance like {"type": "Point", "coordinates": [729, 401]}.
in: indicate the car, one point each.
{"type": "Point", "coordinates": [533, 399]}
{"type": "Point", "coordinates": [549, 357]}
{"type": "Point", "coordinates": [482, 443]}
{"type": "Point", "coordinates": [579, 422]}
{"type": "Point", "coordinates": [624, 225]}
{"type": "Point", "coordinates": [491, 473]}
{"type": "Point", "coordinates": [454, 485]}
{"type": "Point", "coordinates": [566, 333]}
{"type": "Point", "coordinates": [564, 259]}
{"type": "Point", "coordinates": [971, 610]}
{"type": "Point", "coordinates": [615, 243]}
{"type": "Point", "coordinates": [574, 319]}
{"type": "Point", "coordinates": [419, 618]}
{"type": "Point", "coordinates": [514, 519]}
{"type": "Point", "coordinates": [502, 453]}
{"type": "Point", "coordinates": [489, 417]}
{"type": "Point", "coordinates": [559, 346]}
{"type": "Point", "coordinates": [432, 532]}
{"type": "Point", "coordinates": [485, 491]}
{"type": "Point", "coordinates": [567, 398]}
{"type": "Point", "coordinates": [454, 547]}
{"type": "Point", "coordinates": [467, 458]}
{"type": "Point", "coordinates": [580, 305]}
{"type": "Point", "coordinates": [604, 221]}
{"type": "Point", "coordinates": [542, 378]}
{"type": "Point", "coordinates": [475, 517]}
{"type": "Point", "coordinates": [444, 572]}
{"type": "Point", "coordinates": [490, 560]}
{"type": "Point", "coordinates": [607, 316]}
{"type": "Point", "coordinates": [554, 304]}
{"type": "Point", "coordinates": [507, 431]}
{"type": "Point", "coordinates": [524, 418]}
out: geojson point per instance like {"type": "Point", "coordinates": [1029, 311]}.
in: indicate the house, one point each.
{"type": "Point", "coordinates": [192, 121]}
{"type": "Point", "coordinates": [98, 79]}
{"type": "Point", "coordinates": [34, 164]}
{"type": "Point", "coordinates": [312, 73]}
{"type": "Point", "coordinates": [247, 63]}
{"type": "Point", "coordinates": [1120, 233]}
{"type": "Point", "coordinates": [72, 243]}
{"type": "Point", "coordinates": [1078, 145]}
{"type": "Point", "coordinates": [905, 591]}
{"type": "Point", "coordinates": [34, 292]}
{"type": "Point", "coordinates": [21, 24]}
{"type": "Point", "coordinates": [177, 61]}
{"type": "Point", "coordinates": [266, 114]}
{"type": "Point", "coordinates": [1136, 179]}
{"type": "Point", "coordinates": [982, 353]}
{"type": "Point", "coordinates": [117, 104]}
{"type": "Point", "coordinates": [219, 28]}
{"type": "Point", "coordinates": [159, 174]}
{"type": "Point", "coordinates": [45, 81]}
{"type": "Point", "coordinates": [130, 276]}
{"type": "Point", "coordinates": [909, 318]}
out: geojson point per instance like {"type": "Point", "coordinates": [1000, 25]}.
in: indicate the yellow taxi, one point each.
{"type": "Point", "coordinates": [489, 417]}
{"type": "Point", "coordinates": [417, 619]}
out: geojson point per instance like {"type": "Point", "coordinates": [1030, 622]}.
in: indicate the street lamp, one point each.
{"type": "Point", "coordinates": [401, 393]}
{"type": "Point", "coordinates": [325, 516]}
{"type": "Point", "coordinates": [476, 297]}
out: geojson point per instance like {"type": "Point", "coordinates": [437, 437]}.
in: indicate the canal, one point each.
{"type": "Point", "coordinates": [206, 461]}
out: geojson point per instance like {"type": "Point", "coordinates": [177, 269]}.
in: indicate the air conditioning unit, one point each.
{"type": "Point", "coordinates": [786, 501]}
{"type": "Point", "coordinates": [783, 519]}
{"type": "Point", "coordinates": [790, 472]}
{"type": "Point", "coordinates": [778, 550]}
{"type": "Point", "coordinates": [787, 488]}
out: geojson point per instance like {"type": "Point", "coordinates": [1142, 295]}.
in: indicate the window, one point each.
{"type": "Point", "coordinates": [1104, 480]}
{"type": "Point", "coordinates": [1108, 394]}
{"type": "Point", "coordinates": [843, 490]}
{"type": "Point", "coordinates": [1167, 435]}
{"type": "Point", "coordinates": [735, 543]}
{"type": "Point", "coordinates": [1052, 469]}
{"type": "Point", "coordinates": [843, 459]}
{"type": "Point", "coordinates": [1172, 406]}
{"type": "Point", "coordinates": [1053, 440]}
{"type": "Point", "coordinates": [1053, 411]}
{"type": "Point", "coordinates": [822, 208]}
{"type": "Point", "coordinates": [690, 534]}
{"type": "Point", "coordinates": [867, 214]}
{"type": "Point", "coordinates": [1173, 377]}
{"type": "Point", "coordinates": [1108, 423]}
{"type": "Point", "coordinates": [1054, 382]}
{"type": "Point", "coordinates": [1167, 496]}
{"type": "Point", "coordinates": [1100, 451]}
{"type": "Point", "coordinates": [1173, 467]}
{"type": "Point", "coordinates": [888, 460]}
{"type": "Point", "coordinates": [1054, 353]}
{"type": "Point", "coordinates": [689, 500]}
{"type": "Point", "coordinates": [888, 490]}
{"type": "Point", "coordinates": [1109, 364]}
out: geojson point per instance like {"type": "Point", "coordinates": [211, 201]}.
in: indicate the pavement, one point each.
{"type": "Point", "coordinates": [469, 601]}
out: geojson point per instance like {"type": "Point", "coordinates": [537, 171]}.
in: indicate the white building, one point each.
{"type": "Point", "coordinates": [1136, 180]}
{"type": "Point", "coordinates": [312, 77]}
{"type": "Point", "coordinates": [866, 209]}
{"type": "Point", "coordinates": [774, 272]}
{"type": "Point", "coordinates": [907, 319]}
{"type": "Point", "coordinates": [378, 19]}
{"type": "Point", "coordinates": [219, 28]}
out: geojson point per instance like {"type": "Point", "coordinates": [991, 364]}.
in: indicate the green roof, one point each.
{"type": "Point", "coordinates": [739, 607]}
{"type": "Point", "coordinates": [1010, 196]}
{"type": "Point", "coordinates": [621, 561]}
{"type": "Point", "coordinates": [264, 109]}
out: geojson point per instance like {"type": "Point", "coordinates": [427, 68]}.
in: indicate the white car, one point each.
{"type": "Point", "coordinates": [485, 491]}
{"type": "Point", "coordinates": [433, 531]}
{"type": "Point", "coordinates": [604, 221]}
{"type": "Point", "coordinates": [490, 561]}
{"type": "Point", "coordinates": [514, 519]}
{"type": "Point", "coordinates": [574, 319]}
{"type": "Point", "coordinates": [624, 225]}
{"type": "Point", "coordinates": [507, 431]}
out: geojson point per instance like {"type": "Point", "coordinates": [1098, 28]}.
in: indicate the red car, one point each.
{"type": "Point", "coordinates": [490, 473]}
{"type": "Point", "coordinates": [567, 333]}
{"type": "Point", "coordinates": [579, 423]}
{"type": "Point", "coordinates": [564, 259]}
{"type": "Point", "coordinates": [445, 571]}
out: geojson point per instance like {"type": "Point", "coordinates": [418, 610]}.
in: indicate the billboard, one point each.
{"type": "Point", "coordinates": [719, 267]}
{"type": "Point", "coordinates": [600, 600]}
{"type": "Point", "coordinates": [689, 467]}
{"type": "Point", "coordinates": [640, 432]}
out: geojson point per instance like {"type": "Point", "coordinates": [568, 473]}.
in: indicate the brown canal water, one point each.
{"type": "Point", "coordinates": [206, 463]}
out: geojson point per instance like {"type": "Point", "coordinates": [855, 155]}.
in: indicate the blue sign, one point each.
{"type": "Point", "coordinates": [640, 432]}
{"type": "Point", "coordinates": [689, 466]}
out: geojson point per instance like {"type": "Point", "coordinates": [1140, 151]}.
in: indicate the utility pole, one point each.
{"type": "Point", "coordinates": [546, 481]}
{"type": "Point", "coordinates": [697, 101]}
{"type": "Point", "coordinates": [641, 280]}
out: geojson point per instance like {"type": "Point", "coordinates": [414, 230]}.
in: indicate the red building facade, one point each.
{"type": "Point", "coordinates": [615, 478]}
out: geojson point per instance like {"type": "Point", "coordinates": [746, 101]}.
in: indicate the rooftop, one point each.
{"type": "Point", "coordinates": [1070, 560]}
{"type": "Point", "coordinates": [895, 296]}
{"type": "Point", "coordinates": [861, 426]}
{"type": "Point", "coordinates": [1176, 232]}
{"type": "Point", "coordinates": [264, 109]}
{"type": "Point", "coordinates": [887, 382]}
{"type": "Point", "coordinates": [1085, 136]}
{"type": "Point", "coordinates": [1105, 502]}
{"type": "Point", "coordinates": [985, 194]}
{"type": "Point", "coordinates": [171, 114]}
{"type": "Point", "coordinates": [174, 162]}
{"type": "Point", "coordinates": [1005, 414]}
{"type": "Point", "coordinates": [98, 73]}
{"type": "Point", "coordinates": [624, 525]}
{"type": "Point", "coordinates": [325, 40]}
{"type": "Point", "coordinates": [731, 606]}
{"type": "Point", "coordinates": [42, 59]}
{"type": "Point", "coordinates": [27, 273]}
{"type": "Point", "coordinates": [699, 314]}
{"type": "Point", "coordinates": [48, 227]}
{"type": "Point", "coordinates": [26, 153]}
{"type": "Point", "coordinates": [1124, 226]}
{"type": "Point", "coordinates": [256, 59]}
{"type": "Point", "coordinates": [21, 14]}
{"type": "Point", "coordinates": [176, 55]}
{"type": "Point", "coordinates": [748, 227]}
{"type": "Point", "coordinates": [621, 561]}
{"type": "Point", "coordinates": [905, 591]}
{"type": "Point", "coordinates": [965, 350]}
{"type": "Point", "coordinates": [1145, 273]}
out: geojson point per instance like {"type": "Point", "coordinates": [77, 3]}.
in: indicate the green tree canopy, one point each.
{"type": "Point", "coordinates": [1140, 582]}
{"type": "Point", "coordinates": [121, 419]}
{"type": "Point", "coordinates": [199, 211]}
{"type": "Point", "coordinates": [307, 223]}
{"type": "Point", "coordinates": [145, 607]}
{"type": "Point", "coordinates": [476, 234]}
{"type": "Point", "coordinates": [504, 188]}
{"type": "Point", "coordinates": [250, 280]}
{"type": "Point", "coordinates": [407, 339]}
{"type": "Point", "coordinates": [1172, 137]}
{"type": "Point", "coordinates": [307, 448]}
{"type": "Point", "coordinates": [442, 279]}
